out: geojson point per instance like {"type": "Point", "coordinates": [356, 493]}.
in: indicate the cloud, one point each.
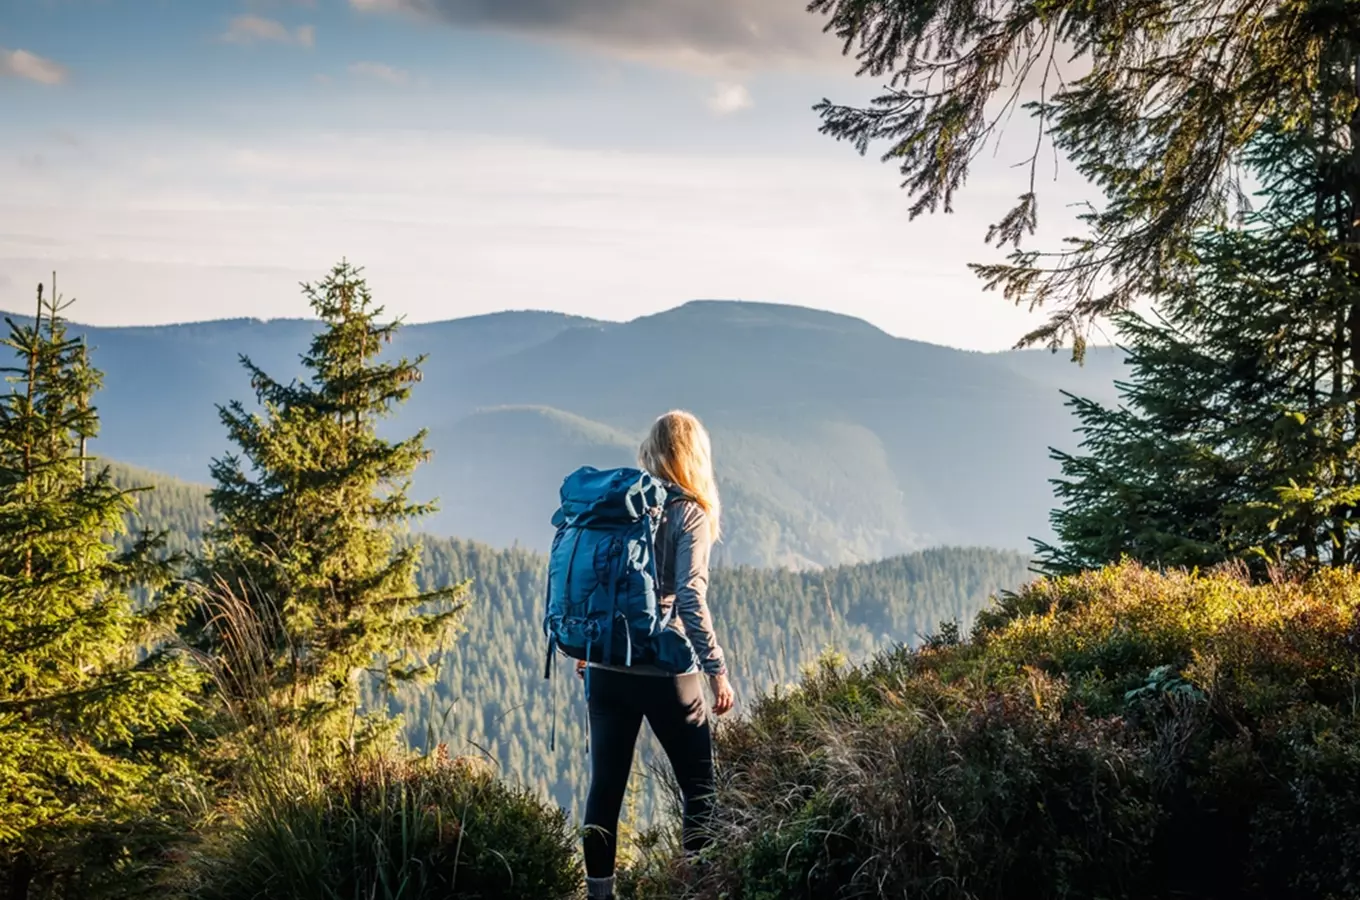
{"type": "Point", "coordinates": [165, 213]}
{"type": "Point", "coordinates": [250, 29]}
{"type": "Point", "coordinates": [380, 72]}
{"type": "Point", "coordinates": [31, 66]}
{"type": "Point", "coordinates": [68, 137]}
{"type": "Point", "coordinates": [691, 34]}
{"type": "Point", "coordinates": [728, 98]}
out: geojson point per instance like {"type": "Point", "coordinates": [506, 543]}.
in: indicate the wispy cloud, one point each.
{"type": "Point", "coordinates": [693, 34]}
{"type": "Point", "coordinates": [728, 98]}
{"type": "Point", "coordinates": [251, 29]}
{"type": "Point", "coordinates": [69, 138]}
{"type": "Point", "coordinates": [32, 67]}
{"type": "Point", "coordinates": [166, 214]}
{"type": "Point", "coordinates": [380, 72]}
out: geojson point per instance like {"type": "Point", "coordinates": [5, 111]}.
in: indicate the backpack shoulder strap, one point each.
{"type": "Point", "coordinates": [674, 495]}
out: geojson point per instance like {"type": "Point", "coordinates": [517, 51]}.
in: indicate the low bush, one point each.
{"type": "Point", "coordinates": [387, 828]}
{"type": "Point", "coordinates": [1116, 734]}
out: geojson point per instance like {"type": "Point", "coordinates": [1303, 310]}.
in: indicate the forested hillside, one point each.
{"type": "Point", "coordinates": [178, 508]}
{"type": "Point", "coordinates": [490, 695]}
{"type": "Point", "coordinates": [773, 622]}
{"type": "Point", "coordinates": [834, 441]}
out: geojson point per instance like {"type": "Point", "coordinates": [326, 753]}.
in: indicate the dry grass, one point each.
{"type": "Point", "coordinates": [1117, 734]}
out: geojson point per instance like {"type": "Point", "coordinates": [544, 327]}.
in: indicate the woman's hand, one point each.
{"type": "Point", "coordinates": [581, 669]}
{"type": "Point", "coordinates": [723, 697]}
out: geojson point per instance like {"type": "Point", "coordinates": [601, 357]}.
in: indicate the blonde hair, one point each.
{"type": "Point", "coordinates": [677, 449]}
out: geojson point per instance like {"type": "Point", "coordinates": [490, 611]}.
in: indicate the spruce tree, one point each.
{"type": "Point", "coordinates": [88, 695]}
{"type": "Point", "coordinates": [1156, 104]}
{"type": "Point", "coordinates": [307, 514]}
{"type": "Point", "coordinates": [1238, 435]}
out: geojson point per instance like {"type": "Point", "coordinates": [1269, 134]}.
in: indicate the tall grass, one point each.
{"type": "Point", "coordinates": [1118, 734]}
{"type": "Point", "coordinates": [300, 821]}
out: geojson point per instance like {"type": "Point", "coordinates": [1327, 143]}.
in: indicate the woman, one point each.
{"type": "Point", "coordinates": [677, 452]}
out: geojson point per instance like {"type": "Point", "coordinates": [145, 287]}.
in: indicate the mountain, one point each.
{"type": "Point", "coordinates": [835, 442]}
{"type": "Point", "coordinates": [490, 696]}
{"type": "Point", "coordinates": [1095, 377]}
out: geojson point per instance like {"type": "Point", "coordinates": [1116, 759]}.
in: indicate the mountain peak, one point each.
{"type": "Point", "coordinates": [753, 313]}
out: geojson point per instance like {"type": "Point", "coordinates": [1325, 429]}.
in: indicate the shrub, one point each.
{"type": "Point", "coordinates": [1115, 734]}
{"type": "Point", "coordinates": [387, 828]}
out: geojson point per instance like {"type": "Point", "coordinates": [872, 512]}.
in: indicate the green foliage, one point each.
{"type": "Point", "coordinates": [178, 510]}
{"type": "Point", "coordinates": [91, 704]}
{"type": "Point", "coordinates": [1116, 734]}
{"type": "Point", "coordinates": [383, 828]}
{"type": "Point", "coordinates": [1235, 437]}
{"type": "Point", "coordinates": [305, 528]}
{"type": "Point", "coordinates": [294, 819]}
{"type": "Point", "coordinates": [490, 693]}
{"type": "Point", "coordinates": [1155, 103]}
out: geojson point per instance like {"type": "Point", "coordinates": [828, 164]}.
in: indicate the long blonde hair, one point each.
{"type": "Point", "coordinates": [677, 449]}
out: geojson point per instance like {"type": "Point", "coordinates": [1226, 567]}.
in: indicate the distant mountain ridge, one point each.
{"type": "Point", "coordinates": [835, 442]}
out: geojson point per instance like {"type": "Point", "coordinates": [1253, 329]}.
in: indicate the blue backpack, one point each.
{"type": "Point", "coordinates": [603, 584]}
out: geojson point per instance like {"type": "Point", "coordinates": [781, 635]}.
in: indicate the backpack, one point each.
{"type": "Point", "coordinates": [603, 585]}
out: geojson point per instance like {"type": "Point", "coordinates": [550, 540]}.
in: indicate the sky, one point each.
{"type": "Point", "coordinates": [181, 160]}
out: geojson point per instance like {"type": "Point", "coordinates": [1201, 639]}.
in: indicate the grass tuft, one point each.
{"type": "Point", "coordinates": [1115, 734]}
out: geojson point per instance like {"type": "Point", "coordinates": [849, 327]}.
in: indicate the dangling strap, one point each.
{"type": "Point", "coordinates": [552, 735]}
{"type": "Point", "coordinates": [587, 680]}
{"type": "Point", "coordinates": [547, 676]}
{"type": "Point", "coordinates": [587, 676]}
{"type": "Point", "coordinates": [552, 651]}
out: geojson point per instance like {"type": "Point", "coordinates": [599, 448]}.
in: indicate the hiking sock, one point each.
{"type": "Point", "coordinates": [600, 888]}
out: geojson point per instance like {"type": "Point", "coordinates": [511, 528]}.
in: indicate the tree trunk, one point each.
{"type": "Point", "coordinates": [1342, 518]}
{"type": "Point", "coordinates": [19, 877]}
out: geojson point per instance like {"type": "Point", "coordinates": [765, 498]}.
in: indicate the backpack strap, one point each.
{"type": "Point", "coordinates": [651, 556]}
{"type": "Point", "coordinates": [552, 637]}
{"type": "Point", "coordinates": [675, 494]}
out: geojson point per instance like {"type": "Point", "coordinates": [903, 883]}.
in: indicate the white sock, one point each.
{"type": "Point", "coordinates": [600, 888]}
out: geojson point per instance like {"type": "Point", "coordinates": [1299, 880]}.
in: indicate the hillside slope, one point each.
{"type": "Point", "coordinates": [490, 695]}
{"type": "Point", "coordinates": [1120, 734]}
{"type": "Point", "coordinates": [835, 442]}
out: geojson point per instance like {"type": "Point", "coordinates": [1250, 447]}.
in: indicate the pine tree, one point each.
{"type": "Point", "coordinates": [1157, 104]}
{"type": "Point", "coordinates": [1238, 435]}
{"type": "Point", "coordinates": [89, 697]}
{"type": "Point", "coordinates": [307, 514]}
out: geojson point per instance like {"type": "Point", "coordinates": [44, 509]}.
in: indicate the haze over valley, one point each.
{"type": "Point", "coordinates": [835, 442]}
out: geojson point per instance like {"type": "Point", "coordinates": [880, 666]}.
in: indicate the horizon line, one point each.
{"type": "Point", "coordinates": [187, 323]}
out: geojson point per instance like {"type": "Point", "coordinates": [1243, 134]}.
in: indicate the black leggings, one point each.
{"type": "Point", "coordinates": [675, 709]}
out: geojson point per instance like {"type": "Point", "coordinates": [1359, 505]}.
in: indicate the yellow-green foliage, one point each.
{"type": "Point", "coordinates": [1119, 733]}
{"type": "Point", "coordinates": [307, 516]}
{"type": "Point", "coordinates": [1105, 631]}
{"type": "Point", "coordinates": [94, 702]}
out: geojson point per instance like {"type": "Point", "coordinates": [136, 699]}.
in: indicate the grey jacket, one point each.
{"type": "Point", "coordinates": [683, 544]}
